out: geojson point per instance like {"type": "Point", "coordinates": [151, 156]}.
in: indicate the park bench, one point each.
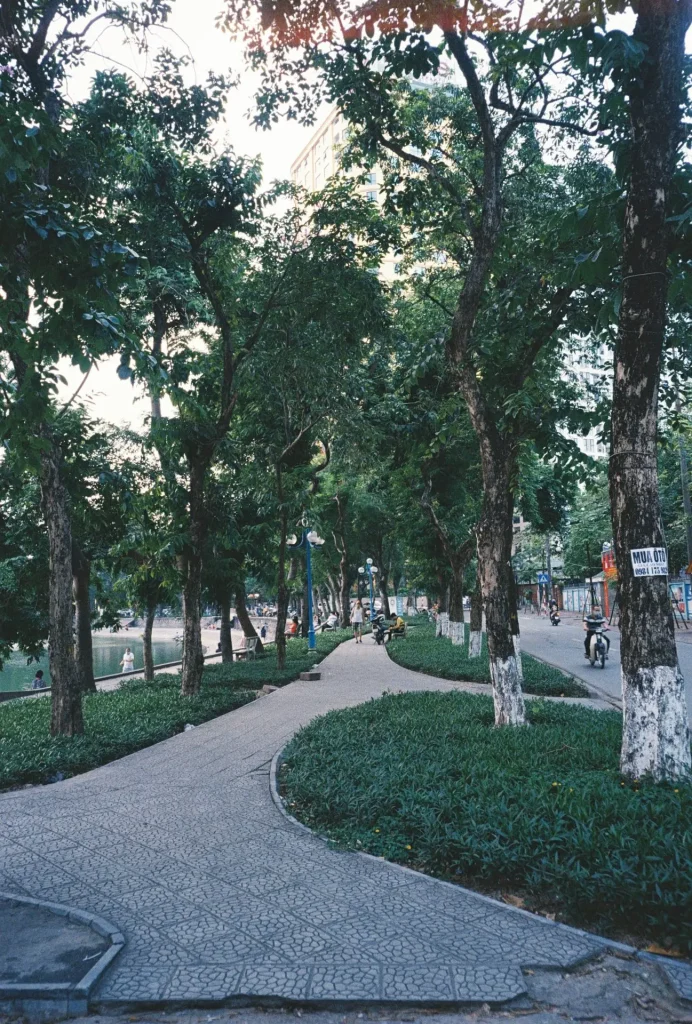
{"type": "Point", "coordinates": [249, 650]}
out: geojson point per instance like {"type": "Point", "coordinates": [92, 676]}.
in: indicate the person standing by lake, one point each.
{"type": "Point", "coordinates": [128, 661]}
{"type": "Point", "coordinates": [38, 682]}
{"type": "Point", "coordinates": [357, 616]}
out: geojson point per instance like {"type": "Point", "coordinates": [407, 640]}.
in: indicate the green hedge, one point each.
{"type": "Point", "coordinates": [118, 722]}
{"type": "Point", "coordinates": [426, 780]}
{"type": "Point", "coordinates": [422, 651]}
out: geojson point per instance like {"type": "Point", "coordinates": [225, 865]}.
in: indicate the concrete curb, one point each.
{"type": "Point", "coordinates": [677, 973]}
{"type": "Point", "coordinates": [593, 694]}
{"type": "Point", "coordinates": [69, 999]}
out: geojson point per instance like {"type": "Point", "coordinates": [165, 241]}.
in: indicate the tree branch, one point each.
{"type": "Point", "coordinates": [455, 556]}
{"type": "Point", "coordinates": [39, 41]}
{"type": "Point", "coordinates": [543, 336]}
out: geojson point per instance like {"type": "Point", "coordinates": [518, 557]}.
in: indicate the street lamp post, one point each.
{"type": "Point", "coordinates": [371, 570]}
{"type": "Point", "coordinates": [308, 540]}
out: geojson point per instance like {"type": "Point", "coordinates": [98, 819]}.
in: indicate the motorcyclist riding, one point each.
{"type": "Point", "coordinates": [593, 621]}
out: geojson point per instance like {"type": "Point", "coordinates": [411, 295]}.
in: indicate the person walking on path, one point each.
{"type": "Point", "coordinates": [357, 616]}
{"type": "Point", "coordinates": [128, 661]}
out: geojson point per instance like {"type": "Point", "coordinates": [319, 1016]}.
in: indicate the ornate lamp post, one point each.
{"type": "Point", "coordinates": [371, 570]}
{"type": "Point", "coordinates": [309, 539]}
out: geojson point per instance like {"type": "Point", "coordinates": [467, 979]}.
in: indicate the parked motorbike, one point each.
{"type": "Point", "coordinates": [379, 629]}
{"type": "Point", "coordinates": [554, 618]}
{"type": "Point", "coordinates": [598, 649]}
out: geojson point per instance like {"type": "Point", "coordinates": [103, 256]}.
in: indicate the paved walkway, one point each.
{"type": "Point", "coordinates": [219, 895]}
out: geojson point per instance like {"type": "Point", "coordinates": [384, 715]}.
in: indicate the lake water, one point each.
{"type": "Point", "coordinates": [108, 652]}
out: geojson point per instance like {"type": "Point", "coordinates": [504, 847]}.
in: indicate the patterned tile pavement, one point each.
{"type": "Point", "coordinates": [219, 895]}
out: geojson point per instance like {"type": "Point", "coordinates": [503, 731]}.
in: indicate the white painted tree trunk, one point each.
{"type": "Point", "coordinates": [507, 694]}
{"type": "Point", "coordinates": [655, 729]}
{"type": "Point", "coordinates": [444, 619]}
{"type": "Point", "coordinates": [438, 625]}
{"type": "Point", "coordinates": [475, 643]}
{"type": "Point", "coordinates": [456, 632]}
{"type": "Point", "coordinates": [516, 640]}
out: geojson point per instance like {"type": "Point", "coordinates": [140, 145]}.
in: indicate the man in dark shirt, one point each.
{"type": "Point", "coordinates": [592, 622]}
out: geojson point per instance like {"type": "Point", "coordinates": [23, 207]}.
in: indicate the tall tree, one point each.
{"type": "Point", "coordinates": [467, 154]}
{"type": "Point", "coordinates": [57, 257]}
{"type": "Point", "coordinates": [656, 738]}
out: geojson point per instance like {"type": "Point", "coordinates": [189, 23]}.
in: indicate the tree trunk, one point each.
{"type": "Point", "coordinates": [225, 637]}
{"type": "Point", "coordinates": [514, 614]}
{"type": "Point", "coordinates": [193, 654]}
{"type": "Point", "coordinates": [66, 696]}
{"type": "Point", "coordinates": [244, 616]}
{"type": "Point", "coordinates": [149, 617]}
{"type": "Point", "coordinates": [84, 657]}
{"type": "Point", "coordinates": [384, 595]}
{"type": "Point", "coordinates": [333, 595]}
{"type": "Point", "coordinates": [494, 553]}
{"type": "Point", "coordinates": [442, 582]}
{"type": "Point", "coordinates": [476, 620]}
{"type": "Point", "coordinates": [456, 605]}
{"type": "Point", "coordinates": [344, 584]}
{"type": "Point", "coordinates": [281, 588]}
{"type": "Point", "coordinates": [655, 736]}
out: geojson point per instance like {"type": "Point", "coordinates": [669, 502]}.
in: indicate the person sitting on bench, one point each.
{"type": "Point", "coordinates": [398, 627]}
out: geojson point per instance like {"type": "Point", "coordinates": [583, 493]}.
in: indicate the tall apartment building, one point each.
{"type": "Point", "coordinates": [587, 369]}
{"type": "Point", "coordinates": [318, 161]}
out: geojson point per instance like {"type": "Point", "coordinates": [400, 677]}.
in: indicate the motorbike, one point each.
{"type": "Point", "coordinates": [598, 649]}
{"type": "Point", "coordinates": [554, 618]}
{"type": "Point", "coordinates": [379, 629]}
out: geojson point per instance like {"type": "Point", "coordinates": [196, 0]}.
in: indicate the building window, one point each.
{"type": "Point", "coordinates": [590, 444]}
{"type": "Point", "coordinates": [371, 178]}
{"type": "Point", "coordinates": [371, 196]}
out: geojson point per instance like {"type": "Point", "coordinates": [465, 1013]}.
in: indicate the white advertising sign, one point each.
{"type": "Point", "coordinates": [649, 561]}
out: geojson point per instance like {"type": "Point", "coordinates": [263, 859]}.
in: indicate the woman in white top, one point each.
{"type": "Point", "coordinates": [128, 661]}
{"type": "Point", "coordinates": [357, 621]}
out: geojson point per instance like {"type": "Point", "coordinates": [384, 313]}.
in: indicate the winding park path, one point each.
{"type": "Point", "coordinates": [220, 896]}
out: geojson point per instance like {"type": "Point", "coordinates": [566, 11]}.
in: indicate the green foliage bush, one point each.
{"type": "Point", "coordinates": [426, 780]}
{"type": "Point", "coordinates": [139, 713]}
{"type": "Point", "coordinates": [422, 651]}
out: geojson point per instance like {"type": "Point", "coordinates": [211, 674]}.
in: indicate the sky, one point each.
{"type": "Point", "coordinates": [192, 30]}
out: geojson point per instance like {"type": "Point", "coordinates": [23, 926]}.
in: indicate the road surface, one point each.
{"type": "Point", "coordinates": [563, 646]}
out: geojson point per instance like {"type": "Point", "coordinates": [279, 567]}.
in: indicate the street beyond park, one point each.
{"type": "Point", "coordinates": [563, 646]}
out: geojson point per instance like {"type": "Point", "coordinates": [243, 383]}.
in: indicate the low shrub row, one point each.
{"type": "Point", "coordinates": [139, 713]}
{"type": "Point", "coordinates": [422, 651]}
{"type": "Point", "coordinates": [542, 812]}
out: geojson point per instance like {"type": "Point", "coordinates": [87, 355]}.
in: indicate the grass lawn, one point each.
{"type": "Point", "coordinates": [118, 722]}
{"type": "Point", "coordinates": [540, 813]}
{"type": "Point", "coordinates": [437, 656]}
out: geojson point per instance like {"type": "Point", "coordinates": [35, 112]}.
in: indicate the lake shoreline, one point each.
{"type": "Point", "coordinates": [109, 648]}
